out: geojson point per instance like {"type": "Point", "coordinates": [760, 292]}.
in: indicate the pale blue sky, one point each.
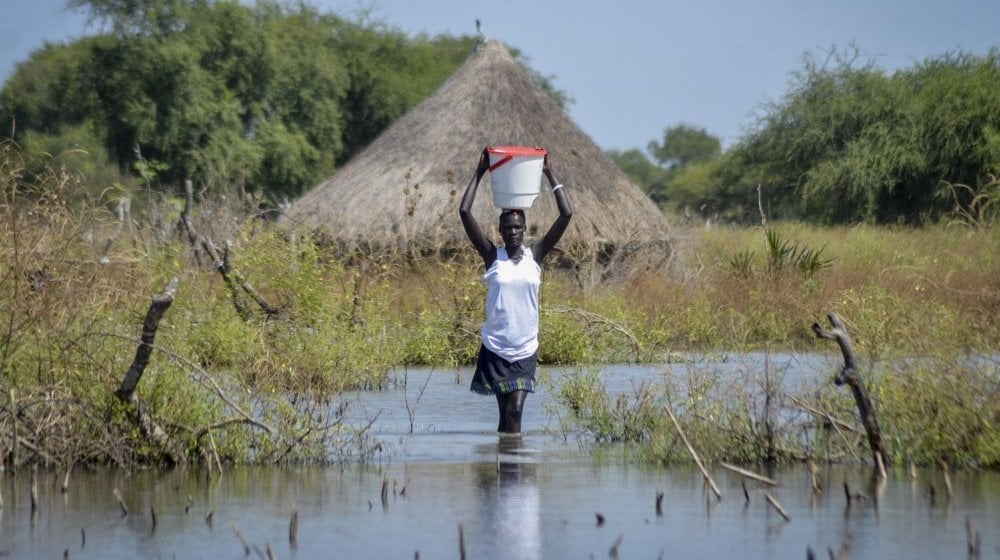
{"type": "Point", "coordinates": [635, 67]}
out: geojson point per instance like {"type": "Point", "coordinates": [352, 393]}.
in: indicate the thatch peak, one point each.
{"type": "Point", "coordinates": [405, 187]}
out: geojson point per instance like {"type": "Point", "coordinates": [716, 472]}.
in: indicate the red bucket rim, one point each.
{"type": "Point", "coordinates": [517, 151]}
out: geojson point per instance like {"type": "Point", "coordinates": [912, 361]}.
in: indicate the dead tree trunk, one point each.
{"type": "Point", "coordinates": [233, 278]}
{"type": "Point", "coordinates": [126, 393]}
{"type": "Point", "coordinates": [185, 220]}
{"type": "Point", "coordinates": [360, 287]}
{"type": "Point", "coordinates": [852, 378]}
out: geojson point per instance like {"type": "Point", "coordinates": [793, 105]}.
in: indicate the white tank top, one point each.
{"type": "Point", "coordinates": [511, 327]}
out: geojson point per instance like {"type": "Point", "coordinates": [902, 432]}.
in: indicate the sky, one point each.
{"type": "Point", "coordinates": [636, 67]}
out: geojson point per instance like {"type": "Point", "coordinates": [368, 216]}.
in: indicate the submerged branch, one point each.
{"type": "Point", "coordinates": [694, 453]}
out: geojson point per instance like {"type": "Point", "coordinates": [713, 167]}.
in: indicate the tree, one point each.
{"type": "Point", "coordinates": [685, 144]}
{"type": "Point", "coordinates": [850, 143]}
{"type": "Point", "coordinates": [271, 97]}
{"type": "Point", "coordinates": [641, 170]}
{"type": "Point", "coordinates": [140, 17]}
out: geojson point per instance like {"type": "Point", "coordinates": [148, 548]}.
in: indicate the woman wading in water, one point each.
{"type": "Point", "coordinates": [508, 356]}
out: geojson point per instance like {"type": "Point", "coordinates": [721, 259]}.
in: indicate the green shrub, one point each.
{"type": "Point", "coordinates": [941, 410]}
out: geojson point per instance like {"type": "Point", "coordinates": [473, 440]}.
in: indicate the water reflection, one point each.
{"type": "Point", "coordinates": [530, 497]}
{"type": "Point", "coordinates": [510, 499]}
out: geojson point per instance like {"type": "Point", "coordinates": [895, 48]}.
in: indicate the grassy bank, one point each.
{"type": "Point", "coordinates": [246, 360]}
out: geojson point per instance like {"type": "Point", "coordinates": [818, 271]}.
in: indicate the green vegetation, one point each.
{"type": "Point", "coordinates": [921, 306]}
{"type": "Point", "coordinates": [920, 303]}
{"type": "Point", "coordinates": [272, 97]}
{"type": "Point", "coordinates": [255, 104]}
{"type": "Point", "coordinates": [847, 143]}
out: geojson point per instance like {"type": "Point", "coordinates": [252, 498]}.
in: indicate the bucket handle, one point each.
{"type": "Point", "coordinates": [500, 162]}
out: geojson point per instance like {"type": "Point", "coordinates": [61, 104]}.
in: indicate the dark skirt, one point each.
{"type": "Point", "coordinates": [496, 376]}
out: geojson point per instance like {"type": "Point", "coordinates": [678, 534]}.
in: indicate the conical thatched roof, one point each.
{"type": "Point", "coordinates": [405, 187]}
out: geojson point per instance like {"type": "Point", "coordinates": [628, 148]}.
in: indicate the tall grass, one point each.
{"type": "Point", "coordinates": [922, 308]}
{"type": "Point", "coordinates": [77, 279]}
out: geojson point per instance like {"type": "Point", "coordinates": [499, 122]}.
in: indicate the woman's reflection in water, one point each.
{"type": "Point", "coordinates": [511, 501]}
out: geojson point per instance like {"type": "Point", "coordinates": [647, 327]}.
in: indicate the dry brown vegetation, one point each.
{"type": "Point", "coordinates": [249, 360]}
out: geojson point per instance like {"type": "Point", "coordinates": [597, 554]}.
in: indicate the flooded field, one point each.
{"type": "Point", "coordinates": [452, 483]}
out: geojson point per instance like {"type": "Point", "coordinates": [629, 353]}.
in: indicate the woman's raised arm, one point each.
{"type": "Point", "coordinates": [483, 245]}
{"type": "Point", "coordinates": [556, 230]}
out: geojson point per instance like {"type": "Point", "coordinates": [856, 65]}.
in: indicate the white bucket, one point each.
{"type": "Point", "coordinates": [516, 175]}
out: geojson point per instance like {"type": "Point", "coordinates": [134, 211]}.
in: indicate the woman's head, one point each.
{"type": "Point", "coordinates": [512, 224]}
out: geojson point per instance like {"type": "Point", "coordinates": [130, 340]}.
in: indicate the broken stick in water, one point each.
{"type": "Point", "coordinates": [613, 551]}
{"type": "Point", "coordinates": [121, 502]}
{"type": "Point", "coordinates": [748, 474]}
{"type": "Point", "coordinates": [34, 489]}
{"type": "Point", "coordinates": [694, 454]}
{"type": "Point", "coordinates": [973, 537]}
{"type": "Point", "coordinates": [461, 542]}
{"type": "Point", "coordinates": [65, 483]}
{"type": "Point", "coordinates": [774, 503]}
{"type": "Point", "coordinates": [243, 541]}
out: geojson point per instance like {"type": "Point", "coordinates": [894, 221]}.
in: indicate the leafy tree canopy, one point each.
{"type": "Point", "coordinates": [849, 142]}
{"type": "Point", "coordinates": [685, 144]}
{"type": "Point", "coordinates": [272, 97]}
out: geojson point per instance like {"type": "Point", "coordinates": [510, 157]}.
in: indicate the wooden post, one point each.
{"type": "Point", "coordinates": [850, 376]}
{"type": "Point", "coordinates": [293, 527]}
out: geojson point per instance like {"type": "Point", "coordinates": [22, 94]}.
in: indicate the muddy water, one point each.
{"type": "Point", "coordinates": [537, 496]}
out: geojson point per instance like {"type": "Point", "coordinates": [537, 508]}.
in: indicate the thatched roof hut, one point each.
{"type": "Point", "coordinates": [404, 188]}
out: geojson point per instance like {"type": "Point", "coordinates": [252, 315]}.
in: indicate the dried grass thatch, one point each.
{"type": "Point", "coordinates": [403, 190]}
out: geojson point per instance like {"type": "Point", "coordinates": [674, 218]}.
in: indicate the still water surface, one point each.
{"type": "Point", "coordinates": [538, 496]}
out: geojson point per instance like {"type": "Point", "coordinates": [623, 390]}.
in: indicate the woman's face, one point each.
{"type": "Point", "coordinates": [512, 229]}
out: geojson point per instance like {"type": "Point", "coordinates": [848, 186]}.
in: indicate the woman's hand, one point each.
{"type": "Point", "coordinates": [484, 163]}
{"type": "Point", "coordinates": [547, 170]}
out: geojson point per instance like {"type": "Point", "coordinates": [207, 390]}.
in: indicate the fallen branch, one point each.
{"type": "Point", "coordinates": [227, 269]}
{"type": "Point", "coordinates": [694, 454]}
{"type": "Point", "coordinates": [777, 507]}
{"type": "Point", "coordinates": [850, 376]}
{"type": "Point", "coordinates": [593, 318]}
{"type": "Point", "coordinates": [233, 278]}
{"type": "Point", "coordinates": [835, 422]}
{"type": "Point", "coordinates": [748, 474]}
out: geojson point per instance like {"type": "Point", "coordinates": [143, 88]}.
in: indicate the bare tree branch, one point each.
{"type": "Point", "coordinates": [850, 376]}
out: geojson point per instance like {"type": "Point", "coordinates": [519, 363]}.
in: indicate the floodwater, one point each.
{"type": "Point", "coordinates": [452, 482]}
